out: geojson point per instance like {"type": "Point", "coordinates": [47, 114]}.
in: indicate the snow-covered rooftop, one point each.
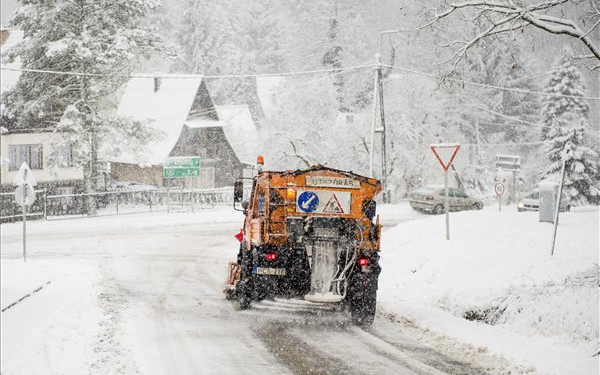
{"type": "Point", "coordinates": [203, 122]}
{"type": "Point", "coordinates": [266, 88]}
{"type": "Point", "coordinates": [167, 108]}
{"type": "Point", "coordinates": [240, 130]}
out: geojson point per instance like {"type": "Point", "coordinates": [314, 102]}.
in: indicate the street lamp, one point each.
{"type": "Point", "coordinates": [378, 94]}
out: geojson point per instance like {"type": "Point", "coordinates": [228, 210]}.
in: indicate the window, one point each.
{"type": "Point", "coordinates": [457, 193]}
{"type": "Point", "coordinates": [30, 154]}
{"type": "Point", "coordinates": [64, 156]}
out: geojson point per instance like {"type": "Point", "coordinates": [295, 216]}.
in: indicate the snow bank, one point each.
{"type": "Point", "coordinates": [497, 271]}
{"type": "Point", "coordinates": [48, 327]}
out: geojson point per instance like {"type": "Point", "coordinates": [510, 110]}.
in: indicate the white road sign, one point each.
{"type": "Point", "coordinates": [24, 199]}
{"type": "Point", "coordinates": [445, 153]}
{"type": "Point", "coordinates": [336, 182]}
{"type": "Point", "coordinates": [24, 176]}
{"type": "Point", "coordinates": [323, 202]}
{"type": "Point", "coordinates": [499, 188]}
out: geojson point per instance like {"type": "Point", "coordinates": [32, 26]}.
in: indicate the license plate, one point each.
{"type": "Point", "coordinates": [270, 271]}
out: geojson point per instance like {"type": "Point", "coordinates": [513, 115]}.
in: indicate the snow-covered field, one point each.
{"type": "Point", "coordinates": [541, 310]}
{"type": "Point", "coordinates": [538, 311]}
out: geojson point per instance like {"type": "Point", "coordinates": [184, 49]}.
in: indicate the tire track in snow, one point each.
{"type": "Point", "coordinates": [111, 357]}
{"type": "Point", "coordinates": [299, 357]}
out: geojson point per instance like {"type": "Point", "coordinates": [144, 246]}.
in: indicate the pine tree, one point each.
{"type": "Point", "coordinates": [518, 105]}
{"type": "Point", "coordinates": [564, 141]}
{"type": "Point", "coordinates": [565, 80]}
{"type": "Point", "coordinates": [101, 39]}
{"type": "Point", "coordinates": [565, 120]}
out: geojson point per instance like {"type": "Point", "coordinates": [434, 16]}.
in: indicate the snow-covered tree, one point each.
{"type": "Point", "coordinates": [95, 44]}
{"type": "Point", "coordinates": [565, 87]}
{"type": "Point", "coordinates": [565, 143]}
{"type": "Point", "coordinates": [519, 110]}
{"type": "Point", "coordinates": [506, 17]}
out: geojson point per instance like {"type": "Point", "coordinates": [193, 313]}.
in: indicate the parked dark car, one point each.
{"type": "Point", "coordinates": [431, 199]}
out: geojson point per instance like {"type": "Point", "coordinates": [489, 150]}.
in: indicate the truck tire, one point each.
{"type": "Point", "coordinates": [363, 310]}
{"type": "Point", "coordinates": [244, 297]}
{"type": "Point", "coordinates": [363, 300]}
{"type": "Point", "coordinates": [244, 286]}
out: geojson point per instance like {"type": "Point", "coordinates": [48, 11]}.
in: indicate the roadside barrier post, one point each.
{"type": "Point", "coordinates": [45, 204]}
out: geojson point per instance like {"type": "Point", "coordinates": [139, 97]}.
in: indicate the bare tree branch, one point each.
{"type": "Point", "coordinates": [301, 157]}
{"type": "Point", "coordinates": [506, 16]}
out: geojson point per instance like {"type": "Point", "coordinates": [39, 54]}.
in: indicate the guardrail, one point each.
{"type": "Point", "coordinates": [52, 207]}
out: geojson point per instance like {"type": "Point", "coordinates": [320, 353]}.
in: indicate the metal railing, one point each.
{"type": "Point", "coordinates": [51, 207]}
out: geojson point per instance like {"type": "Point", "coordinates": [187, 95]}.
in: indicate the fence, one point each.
{"type": "Point", "coordinates": [49, 207]}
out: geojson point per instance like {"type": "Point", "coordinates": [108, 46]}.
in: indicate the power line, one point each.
{"type": "Point", "coordinates": [191, 76]}
{"type": "Point", "coordinates": [504, 144]}
{"type": "Point", "coordinates": [293, 73]}
{"type": "Point", "coordinates": [489, 86]}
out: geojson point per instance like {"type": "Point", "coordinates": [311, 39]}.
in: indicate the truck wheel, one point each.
{"type": "Point", "coordinates": [244, 286]}
{"type": "Point", "coordinates": [439, 209]}
{"type": "Point", "coordinates": [244, 297]}
{"type": "Point", "coordinates": [362, 308]}
{"type": "Point", "coordinates": [363, 299]}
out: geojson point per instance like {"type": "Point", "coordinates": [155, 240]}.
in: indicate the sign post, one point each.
{"type": "Point", "coordinates": [510, 163]}
{"type": "Point", "coordinates": [445, 153]}
{"type": "Point", "coordinates": [562, 181]}
{"type": "Point", "coordinates": [24, 196]}
{"type": "Point", "coordinates": [499, 190]}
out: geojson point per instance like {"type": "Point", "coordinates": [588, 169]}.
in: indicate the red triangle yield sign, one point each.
{"type": "Point", "coordinates": [445, 153]}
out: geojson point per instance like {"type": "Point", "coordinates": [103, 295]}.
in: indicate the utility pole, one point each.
{"type": "Point", "coordinates": [374, 122]}
{"type": "Point", "coordinates": [383, 139]}
{"type": "Point", "coordinates": [378, 97]}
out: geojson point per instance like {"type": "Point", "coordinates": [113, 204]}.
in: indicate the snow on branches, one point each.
{"type": "Point", "coordinates": [506, 16]}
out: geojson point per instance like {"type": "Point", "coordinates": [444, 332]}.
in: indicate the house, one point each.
{"type": "Point", "coordinates": [182, 109]}
{"type": "Point", "coordinates": [33, 146]}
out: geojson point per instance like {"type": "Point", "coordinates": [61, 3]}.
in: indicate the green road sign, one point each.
{"type": "Point", "coordinates": [181, 167]}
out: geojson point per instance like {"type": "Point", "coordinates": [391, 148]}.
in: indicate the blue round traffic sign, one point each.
{"type": "Point", "coordinates": [308, 201]}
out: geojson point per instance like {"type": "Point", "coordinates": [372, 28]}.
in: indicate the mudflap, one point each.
{"type": "Point", "coordinates": [265, 287]}
{"type": "Point", "coordinates": [297, 282]}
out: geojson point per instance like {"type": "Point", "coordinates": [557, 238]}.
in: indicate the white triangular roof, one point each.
{"type": "Point", "coordinates": [167, 109]}
{"type": "Point", "coordinates": [240, 131]}
{"type": "Point", "coordinates": [266, 88]}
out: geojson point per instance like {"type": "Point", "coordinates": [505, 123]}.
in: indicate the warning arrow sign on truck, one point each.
{"type": "Point", "coordinates": [323, 202]}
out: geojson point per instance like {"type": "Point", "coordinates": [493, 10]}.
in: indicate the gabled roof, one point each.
{"type": "Point", "coordinates": [166, 108]}
{"type": "Point", "coordinates": [240, 131]}
{"type": "Point", "coordinates": [267, 88]}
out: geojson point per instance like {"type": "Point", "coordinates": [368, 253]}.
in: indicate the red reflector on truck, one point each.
{"type": "Point", "coordinates": [271, 256]}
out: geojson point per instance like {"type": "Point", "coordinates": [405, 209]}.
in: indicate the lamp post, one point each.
{"type": "Point", "coordinates": [378, 92]}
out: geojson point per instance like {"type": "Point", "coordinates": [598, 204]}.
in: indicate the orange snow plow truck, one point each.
{"type": "Point", "coordinates": [308, 234]}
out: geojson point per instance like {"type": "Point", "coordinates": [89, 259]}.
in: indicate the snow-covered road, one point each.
{"type": "Point", "coordinates": [142, 294]}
